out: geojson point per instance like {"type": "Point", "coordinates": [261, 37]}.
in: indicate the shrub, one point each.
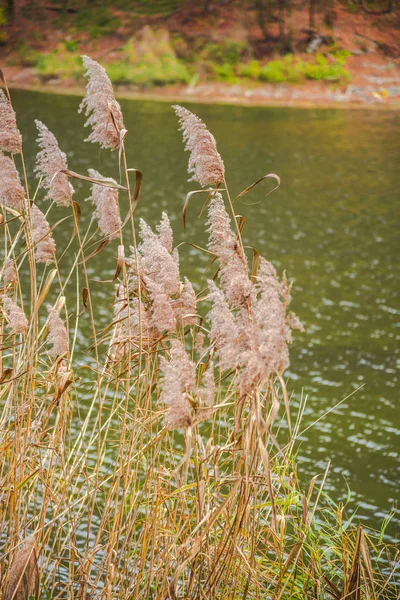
{"type": "Point", "coordinates": [62, 63]}
{"type": "Point", "coordinates": [294, 69]}
{"type": "Point", "coordinates": [325, 70]}
{"type": "Point", "coordinates": [249, 69]}
{"type": "Point", "coordinates": [147, 60]}
{"type": "Point", "coordinates": [224, 52]}
{"type": "Point", "coordinates": [273, 72]}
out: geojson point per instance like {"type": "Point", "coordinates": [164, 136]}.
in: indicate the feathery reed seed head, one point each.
{"type": "Point", "coordinates": [9, 272]}
{"type": "Point", "coordinates": [162, 314]}
{"type": "Point", "coordinates": [17, 320]}
{"type": "Point", "coordinates": [135, 271]}
{"type": "Point", "coordinates": [233, 263]}
{"type": "Point", "coordinates": [50, 160]}
{"type": "Point", "coordinates": [42, 236]}
{"type": "Point", "coordinates": [127, 326]}
{"type": "Point", "coordinates": [224, 330]}
{"type": "Point", "coordinates": [207, 391]}
{"type": "Point", "coordinates": [23, 577]}
{"type": "Point", "coordinates": [275, 324]}
{"type": "Point", "coordinates": [99, 104]}
{"type": "Point", "coordinates": [199, 342]}
{"type": "Point", "coordinates": [187, 304]}
{"type": "Point", "coordinates": [105, 200]}
{"type": "Point", "coordinates": [265, 331]}
{"type": "Point", "coordinates": [157, 263]}
{"type": "Point", "coordinates": [179, 378]}
{"type": "Point", "coordinates": [10, 137]}
{"type": "Point", "coordinates": [11, 190]}
{"type": "Point", "coordinates": [165, 234]}
{"type": "Point", "coordinates": [58, 335]}
{"type": "Point", "coordinates": [205, 162]}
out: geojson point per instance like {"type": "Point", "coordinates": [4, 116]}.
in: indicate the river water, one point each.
{"type": "Point", "coordinates": [333, 225]}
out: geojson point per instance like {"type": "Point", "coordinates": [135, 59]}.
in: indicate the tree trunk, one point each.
{"type": "Point", "coordinates": [262, 17]}
{"type": "Point", "coordinates": [282, 23]}
{"type": "Point", "coordinates": [311, 14]}
{"type": "Point", "coordinates": [11, 9]}
{"type": "Point", "coordinates": [330, 15]}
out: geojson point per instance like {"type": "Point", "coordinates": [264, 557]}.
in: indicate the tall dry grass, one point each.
{"type": "Point", "coordinates": [179, 479]}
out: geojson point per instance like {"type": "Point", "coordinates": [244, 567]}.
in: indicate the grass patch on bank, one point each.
{"type": "Point", "coordinates": [292, 69]}
{"type": "Point", "coordinates": [149, 61]}
{"type": "Point", "coordinates": [63, 63]}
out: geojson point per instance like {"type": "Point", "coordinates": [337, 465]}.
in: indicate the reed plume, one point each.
{"type": "Point", "coordinates": [58, 335]}
{"type": "Point", "coordinates": [274, 321]}
{"type": "Point", "coordinates": [157, 263]}
{"type": "Point", "coordinates": [265, 330]}
{"type": "Point", "coordinates": [186, 305]}
{"type": "Point", "coordinates": [15, 315]}
{"type": "Point", "coordinates": [50, 161]}
{"type": "Point", "coordinates": [127, 323]}
{"type": "Point", "coordinates": [99, 104]}
{"type": "Point", "coordinates": [10, 137]}
{"type": "Point", "coordinates": [9, 272]}
{"type": "Point", "coordinates": [42, 236]}
{"type": "Point", "coordinates": [233, 263]}
{"type": "Point", "coordinates": [11, 191]}
{"type": "Point", "coordinates": [23, 577]}
{"type": "Point", "coordinates": [105, 200]}
{"type": "Point", "coordinates": [165, 234]}
{"type": "Point", "coordinates": [206, 393]}
{"type": "Point", "coordinates": [163, 317]}
{"type": "Point", "coordinates": [179, 378]}
{"type": "Point", "coordinates": [199, 342]}
{"type": "Point", "coordinates": [224, 331]}
{"type": "Point", "coordinates": [135, 271]}
{"type": "Point", "coordinates": [205, 163]}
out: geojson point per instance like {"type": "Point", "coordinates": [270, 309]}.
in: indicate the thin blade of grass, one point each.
{"type": "Point", "coordinates": [353, 589]}
{"type": "Point", "coordinates": [120, 262]}
{"type": "Point", "coordinates": [109, 184]}
{"type": "Point", "coordinates": [85, 298]}
{"type": "Point", "coordinates": [250, 187]}
{"type": "Point", "coordinates": [46, 287]}
{"type": "Point", "coordinates": [367, 561]}
{"type": "Point", "coordinates": [189, 195]}
{"type": "Point", "coordinates": [99, 248]}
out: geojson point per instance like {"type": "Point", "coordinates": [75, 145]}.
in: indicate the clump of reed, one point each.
{"type": "Point", "coordinates": [179, 478]}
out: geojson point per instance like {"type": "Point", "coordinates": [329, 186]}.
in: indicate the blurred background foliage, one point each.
{"type": "Point", "coordinates": [145, 43]}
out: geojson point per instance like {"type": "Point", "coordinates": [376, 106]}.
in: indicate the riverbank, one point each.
{"type": "Point", "coordinates": [311, 96]}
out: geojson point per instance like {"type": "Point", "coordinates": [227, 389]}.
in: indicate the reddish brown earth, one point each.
{"type": "Point", "coordinates": [373, 40]}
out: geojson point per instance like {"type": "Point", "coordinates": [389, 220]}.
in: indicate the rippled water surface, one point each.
{"type": "Point", "coordinates": [333, 226]}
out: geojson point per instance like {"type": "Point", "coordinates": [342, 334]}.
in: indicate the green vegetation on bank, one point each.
{"type": "Point", "coordinates": [3, 24]}
{"type": "Point", "coordinates": [155, 58]}
{"type": "Point", "coordinates": [61, 63]}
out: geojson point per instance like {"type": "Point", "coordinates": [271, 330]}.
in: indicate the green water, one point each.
{"type": "Point", "coordinates": [332, 225]}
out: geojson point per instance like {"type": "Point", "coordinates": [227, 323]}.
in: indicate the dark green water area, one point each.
{"type": "Point", "coordinates": [333, 225]}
